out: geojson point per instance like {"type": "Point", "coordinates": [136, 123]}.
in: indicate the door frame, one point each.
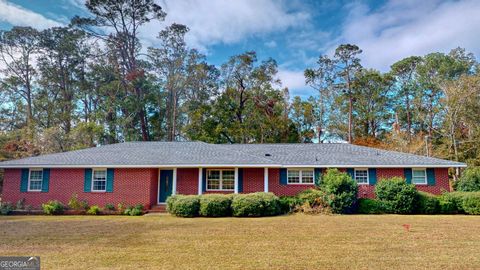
{"type": "Point", "coordinates": [174, 182]}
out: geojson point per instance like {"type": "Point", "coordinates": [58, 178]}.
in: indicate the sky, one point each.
{"type": "Point", "coordinates": [293, 32]}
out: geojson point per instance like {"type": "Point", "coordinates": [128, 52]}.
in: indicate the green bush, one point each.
{"type": "Point", "coordinates": [396, 195]}
{"type": "Point", "coordinates": [370, 206]}
{"type": "Point", "coordinates": [93, 210]}
{"type": "Point", "coordinates": [76, 204]}
{"type": "Point", "coordinates": [5, 208]}
{"type": "Point", "coordinates": [255, 205]}
{"type": "Point", "coordinates": [136, 210]}
{"type": "Point", "coordinates": [341, 191]}
{"type": "Point", "coordinates": [469, 181]}
{"type": "Point", "coordinates": [427, 203]}
{"type": "Point", "coordinates": [110, 206]}
{"type": "Point", "coordinates": [183, 205]}
{"type": "Point", "coordinates": [288, 204]}
{"type": "Point", "coordinates": [451, 202]}
{"type": "Point", "coordinates": [53, 208]}
{"type": "Point", "coordinates": [471, 203]}
{"type": "Point", "coordinates": [215, 205]}
{"type": "Point", "coordinates": [310, 196]}
{"type": "Point", "coordinates": [20, 204]}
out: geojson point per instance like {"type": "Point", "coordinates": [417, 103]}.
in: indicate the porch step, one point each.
{"type": "Point", "coordinates": [159, 208]}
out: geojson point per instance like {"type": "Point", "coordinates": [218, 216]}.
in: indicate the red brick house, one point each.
{"type": "Point", "coordinates": [149, 172]}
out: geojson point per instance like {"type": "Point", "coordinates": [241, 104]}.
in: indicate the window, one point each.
{"type": "Point", "coordinates": [220, 179]}
{"type": "Point", "coordinates": [419, 176]}
{"type": "Point", "coordinates": [300, 176]}
{"type": "Point", "coordinates": [99, 180]}
{"type": "Point", "coordinates": [35, 180]}
{"type": "Point", "coordinates": [361, 176]}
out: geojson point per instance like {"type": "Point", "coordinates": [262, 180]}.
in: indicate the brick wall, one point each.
{"type": "Point", "coordinates": [283, 190]}
{"type": "Point", "coordinates": [253, 180]}
{"type": "Point", "coordinates": [187, 181]}
{"type": "Point", "coordinates": [441, 182]}
{"type": "Point", "coordinates": [131, 186]}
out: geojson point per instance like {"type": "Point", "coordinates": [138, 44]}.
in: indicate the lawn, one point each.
{"type": "Point", "coordinates": [285, 242]}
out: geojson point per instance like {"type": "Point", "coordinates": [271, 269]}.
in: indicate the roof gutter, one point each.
{"type": "Point", "coordinates": [230, 166]}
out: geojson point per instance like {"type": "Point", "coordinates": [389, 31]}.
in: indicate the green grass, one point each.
{"type": "Point", "coordinates": [285, 242]}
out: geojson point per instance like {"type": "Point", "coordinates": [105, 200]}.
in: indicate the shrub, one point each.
{"type": "Point", "coordinates": [136, 210]}
{"type": "Point", "coordinates": [5, 208]}
{"type": "Point", "coordinates": [469, 181]}
{"type": "Point", "coordinates": [110, 206]}
{"type": "Point", "coordinates": [255, 205]}
{"type": "Point", "coordinates": [93, 210]}
{"type": "Point", "coordinates": [215, 205]}
{"type": "Point", "coordinates": [427, 203]}
{"type": "Point", "coordinates": [341, 191]}
{"type": "Point", "coordinates": [183, 205]}
{"type": "Point", "coordinates": [313, 201]}
{"type": "Point", "coordinates": [396, 195]}
{"type": "Point", "coordinates": [20, 204]}
{"type": "Point", "coordinates": [53, 208]}
{"type": "Point", "coordinates": [310, 196]}
{"type": "Point", "coordinates": [370, 206]}
{"type": "Point", "coordinates": [451, 202]}
{"type": "Point", "coordinates": [471, 203]}
{"type": "Point", "coordinates": [288, 204]}
{"type": "Point", "coordinates": [76, 204]}
{"type": "Point", "coordinates": [121, 207]}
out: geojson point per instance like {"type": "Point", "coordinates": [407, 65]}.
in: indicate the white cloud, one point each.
{"type": "Point", "coordinates": [271, 44]}
{"type": "Point", "coordinates": [295, 81]}
{"type": "Point", "coordinates": [17, 15]}
{"type": "Point", "coordinates": [402, 28]}
{"type": "Point", "coordinates": [218, 21]}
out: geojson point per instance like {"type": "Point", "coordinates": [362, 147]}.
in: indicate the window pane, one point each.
{"type": "Point", "coordinates": [99, 180]}
{"type": "Point", "coordinates": [35, 185]}
{"type": "Point", "coordinates": [307, 176]}
{"type": "Point", "coordinates": [418, 173]}
{"type": "Point", "coordinates": [36, 175]}
{"type": "Point", "coordinates": [419, 177]}
{"type": "Point", "coordinates": [228, 184]}
{"type": "Point", "coordinates": [293, 176]}
{"type": "Point", "coordinates": [213, 184]}
{"type": "Point", "coordinates": [361, 176]}
{"type": "Point", "coordinates": [213, 174]}
{"type": "Point", "coordinates": [229, 175]}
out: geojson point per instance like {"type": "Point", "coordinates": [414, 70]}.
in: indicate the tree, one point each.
{"type": "Point", "coordinates": [123, 19]}
{"type": "Point", "coordinates": [18, 48]}
{"type": "Point", "coordinates": [371, 93]}
{"type": "Point", "coordinates": [336, 76]}
{"type": "Point", "coordinates": [405, 74]}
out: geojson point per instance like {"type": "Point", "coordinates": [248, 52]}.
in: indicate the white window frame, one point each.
{"type": "Point", "coordinates": [29, 179]}
{"type": "Point", "coordinates": [413, 177]}
{"type": "Point", "coordinates": [300, 170]}
{"type": "Point", "coordinates": [93, 178]}
{"type": "Point", "coordinates": [355, 176]}
{"type": "Point", "coordinates": [220, 180]}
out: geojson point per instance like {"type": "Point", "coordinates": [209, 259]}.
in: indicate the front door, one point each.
{"type": "Point", "coordinates": [165, 185]}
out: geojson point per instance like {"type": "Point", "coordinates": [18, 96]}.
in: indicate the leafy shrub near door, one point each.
{"type": "Point", "coordinates": [215, 205]}
{"type": "Point", "coordinates": [183, 205]}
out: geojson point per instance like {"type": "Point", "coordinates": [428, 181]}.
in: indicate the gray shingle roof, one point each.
{"type": "Point", "coordinates": [193, 154]}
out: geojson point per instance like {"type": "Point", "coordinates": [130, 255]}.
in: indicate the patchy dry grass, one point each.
{"type": "Point", "coordinates": [286, 242]}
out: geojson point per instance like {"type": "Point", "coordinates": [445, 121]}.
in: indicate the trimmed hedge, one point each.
{"type": "Point", "coordinates": [370, 206]}
{"type": "Point", "coordinates": [255, 205]}
{"type": "Point", "coordinates": [471, 203]}
{"type": "Point", "coordinates": [183, 205]}
{"type": "Point", "coordinates": [215, 205]}
{"type": "Point", "coordinates": [396, 195]}
{"type": "Point", "coordinates": [427, 203]}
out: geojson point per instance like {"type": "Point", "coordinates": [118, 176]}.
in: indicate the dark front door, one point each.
{"type": "Point", "coordinates": [165, 186]}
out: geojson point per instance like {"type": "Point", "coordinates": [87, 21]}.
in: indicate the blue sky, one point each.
{"type": "Point", "coordinates": [293, 32]}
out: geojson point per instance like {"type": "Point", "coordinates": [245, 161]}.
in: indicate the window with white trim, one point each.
{"type": "Point", "coordinates": [35, 180]}
{"type": "Point", "coordinates": [220, 179]}
{"type": "Point", "coordinates": [361, 176]}
{"type": "Point", "coordinates": [99, 180]}
{"type": "Point", "coordinates": [300, 176]}
{"type": "Point", "coordinates": [419, 176]}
